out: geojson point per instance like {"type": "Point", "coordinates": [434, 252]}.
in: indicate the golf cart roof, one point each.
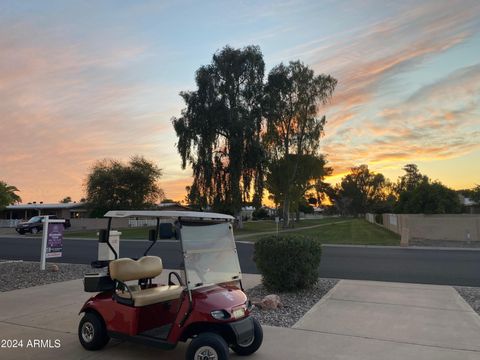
{"type": "Point", "coordinates": [168, 214]}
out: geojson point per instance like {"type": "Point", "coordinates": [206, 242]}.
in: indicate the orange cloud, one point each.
{"type": "Point", "coordinates": [64, 107]}
{"type": "Point", "coordinates": [440, 121]}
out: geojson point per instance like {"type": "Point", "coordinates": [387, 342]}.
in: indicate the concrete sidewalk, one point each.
{"type": "Point", "coordinates": [380, 320]}
{"type": "Point", "coordinates": [356, 320]}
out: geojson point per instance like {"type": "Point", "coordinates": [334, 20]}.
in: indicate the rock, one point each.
{"type": "Point", "coordinates": [54, 268]}
{"type": "Point", "coordinates": [269, 302]}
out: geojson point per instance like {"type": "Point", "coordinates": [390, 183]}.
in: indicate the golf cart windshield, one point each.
{"type": "Point", "coordinates": [209, 251]}
{"type": "Point", "coordinates": [210, 254]}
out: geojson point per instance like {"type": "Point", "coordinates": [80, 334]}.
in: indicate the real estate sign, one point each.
{"type": "Point", "coordinates": [54, 240]}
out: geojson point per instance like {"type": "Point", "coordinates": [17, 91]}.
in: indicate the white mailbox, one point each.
{"type": "Point", "coordinates": [104, 252]}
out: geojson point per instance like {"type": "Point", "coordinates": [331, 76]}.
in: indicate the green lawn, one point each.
{"type": "Point", "coordinates": [354, 232]}
{"type": "Point", "coordinates": [250, 227]}
{"type": "Point", "coordinates": [346, 231]}
{"type": "Point", "coordinates": [332, 231]}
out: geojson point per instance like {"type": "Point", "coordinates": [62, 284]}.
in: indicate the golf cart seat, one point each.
{"type": "Point", "coordinates": [147, 267]}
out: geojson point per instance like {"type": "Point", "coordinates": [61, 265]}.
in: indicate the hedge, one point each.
{"type": "Point", "coordinates": [288, 262]}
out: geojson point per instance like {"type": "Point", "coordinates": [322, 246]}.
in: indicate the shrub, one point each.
{"type": "Point", "coordinates": [289, 262]}
{"type": "Point", "coordinates": [260, 214]}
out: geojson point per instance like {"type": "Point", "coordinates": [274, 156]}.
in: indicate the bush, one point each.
{"type": "Point", "coordinates": [289, 262]}
{"type": "Point", "coordinates": [260, 214]}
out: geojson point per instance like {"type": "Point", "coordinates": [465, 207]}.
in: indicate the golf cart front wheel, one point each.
{"type": "Point", "coordinates": [92, 332]}
{"type": "Point", "coordinates": [207, 346]}
{"type": "Point", "coordinates": [254, 344]}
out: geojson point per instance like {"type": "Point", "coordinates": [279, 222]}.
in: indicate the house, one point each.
{"type": "Point", "coordinates": [70, 210]}
{"type": "Point", "coordinates": [470, 206]}
{"type": "Point", "coordinates": [173, 206]}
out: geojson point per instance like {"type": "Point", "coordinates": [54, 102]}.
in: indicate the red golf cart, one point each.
{"type": "Point", "coordinates": [206, 304]}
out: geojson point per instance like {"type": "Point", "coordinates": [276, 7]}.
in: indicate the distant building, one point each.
{"type": "Point", "coordinates": [247, 212]}
{"type": "Point", "coordinates": [469, 206]}
{"type": "Point", "coordinates": [70, 210]}
{"type": "Point", "coordinates": [173, 206]}
{"type": "Point", "coordinates": [318, 210]}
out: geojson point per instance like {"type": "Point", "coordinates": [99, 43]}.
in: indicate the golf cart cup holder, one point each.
{"type": "Point", "coordinates": [95, 282]}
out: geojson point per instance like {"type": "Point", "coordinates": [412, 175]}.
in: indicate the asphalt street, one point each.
{"type": "Point", "coordinates": [415, 265]}
{"type": "Point", "coordinates": [410, 265]}
{"type": "Point", "coordinates": [79, 251]}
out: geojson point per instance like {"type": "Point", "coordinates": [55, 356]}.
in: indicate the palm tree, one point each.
{"type": "Point", "coordinates": [7, 195]}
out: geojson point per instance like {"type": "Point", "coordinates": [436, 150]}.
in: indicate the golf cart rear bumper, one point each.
{"type": "Point", "coordinates": [243, 330]}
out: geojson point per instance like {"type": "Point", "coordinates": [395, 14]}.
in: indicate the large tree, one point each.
{"type": "Point", "coordinates": [417, 194]}
{"type": "Point", "coordinates": [113, 185]}
{"type": "Point", "coordinates": [362, 191]}
{"type": "Point", "coordinates": [310, 170]}
{"type": "Point", "coordinates": [410, 180]}
{"type": "Point", "coordinates": [293, 95]}
{"type": "Point", "coordinates": [429, 198]}
{"type": "Point", "coordinates": [219, 131]}
{"type": "Point", "coordinates": [8, 195]}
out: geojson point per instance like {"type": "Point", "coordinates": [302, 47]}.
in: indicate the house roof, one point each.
{"type": "Point", "coordinates": [172, 205]}
{"type": "Point", "coordinates": [167, 213]}
{"type": "Point", "coordinates": [468, 202]}
{"type": "Point", "coordinates": [39, 206]}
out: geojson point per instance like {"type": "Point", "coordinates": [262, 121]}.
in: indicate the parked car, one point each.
{"type": "Point", "coordinates": [35, 224]}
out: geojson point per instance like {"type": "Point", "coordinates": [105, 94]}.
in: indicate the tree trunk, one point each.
{"type": "Point", "coordinates": [240, 220]}
{"type": "Point", "coordinates": [286, 212]}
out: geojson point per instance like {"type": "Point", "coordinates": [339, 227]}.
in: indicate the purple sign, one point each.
{"type": "Point", "coordinates": [54, 240]}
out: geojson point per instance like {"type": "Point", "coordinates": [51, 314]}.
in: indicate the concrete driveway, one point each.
{"type": "Point", "coordinates": [381, 320]}
{"type": "Point", "coordinates": [356, 320]}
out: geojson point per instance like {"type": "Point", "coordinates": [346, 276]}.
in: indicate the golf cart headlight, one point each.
{"type": "Point", "coordinates": [220, 314]}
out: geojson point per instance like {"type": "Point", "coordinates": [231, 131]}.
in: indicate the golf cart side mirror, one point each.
{"type": "Point", "coordinates": [102, 236]}
{"type": "Point", "coordinates": [152, 235]}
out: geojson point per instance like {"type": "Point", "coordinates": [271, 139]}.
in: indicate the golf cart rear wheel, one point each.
{"type": "Point", "coordinates": [92, 332]}
{"type": "Point", "coordinates": [207, 346]}
{"type": "Point", "coordinates": [253, 345]}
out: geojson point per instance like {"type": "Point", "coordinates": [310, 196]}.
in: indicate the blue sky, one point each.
{"type": "Point", "coordinates": [82, 81]}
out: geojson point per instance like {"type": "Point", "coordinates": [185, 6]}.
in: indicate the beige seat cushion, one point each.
{"type": "Point", "coordinates": [126, 269]}
{"type": "Point", "coordinates": [153, 295]}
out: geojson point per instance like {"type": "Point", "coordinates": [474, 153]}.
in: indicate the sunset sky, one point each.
{"type": "Point", "coordinates": [86, 80]}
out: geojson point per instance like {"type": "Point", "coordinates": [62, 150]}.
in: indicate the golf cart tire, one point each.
{"type": "Point", "coordinates": [100, 337]}
{"type": "Point", "coordinates": [212, 340]}
{"type": "Point", "coordinates": [255, 345]}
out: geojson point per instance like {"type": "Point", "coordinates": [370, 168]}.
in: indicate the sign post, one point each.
{"type": "Point", "coordinates": [52, 239]}
{"type": "Point", "coordinates": [277, 221]}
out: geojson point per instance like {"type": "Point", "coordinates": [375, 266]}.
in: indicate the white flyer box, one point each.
{"type": "Point", "coordinates": [104, 252]}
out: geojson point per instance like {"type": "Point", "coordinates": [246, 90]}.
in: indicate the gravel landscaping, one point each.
{"type": "Point", "coordinates": [471, 295]}
{"type": "Point", "coordinates": [23, 274]}
{"type": "Point", "coordinates": [295, 305]}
